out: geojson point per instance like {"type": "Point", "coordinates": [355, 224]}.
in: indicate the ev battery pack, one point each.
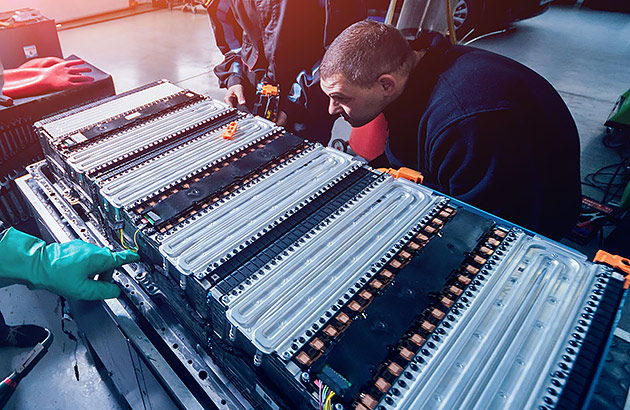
{"type": "Point", "coordinates": [318, 282]}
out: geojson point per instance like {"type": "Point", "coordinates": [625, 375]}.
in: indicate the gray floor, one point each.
{"type": "Point", "coordinates": [584, 54]}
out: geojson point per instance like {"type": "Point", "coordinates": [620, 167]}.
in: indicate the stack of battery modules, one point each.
{"type": "Point", "coordinates": [318, 282]}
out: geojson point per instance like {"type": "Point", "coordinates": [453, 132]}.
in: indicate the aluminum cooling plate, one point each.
{"type": "Point", "coordinates": [151, 132]}
{"type": "Point", "coordinates": [505, 342]}
{"type": "Point", "coordinates": [302, 287]}
{"type": "Point", "coordinates": [218, 230]}
{"type": "Point", "coordinates": [109, 109]}
{"type": "Point", "coordinates": [153, 175]}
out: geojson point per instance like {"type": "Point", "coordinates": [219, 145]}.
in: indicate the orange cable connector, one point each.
{"type": "Point", "coordinates": [616, 262]}
{"type": "Point", "coordinates": [269, 89]}
{"type": "Point", "coordinates": [406, 173]}
{"type": "Point", "coordinates": [230, 130]}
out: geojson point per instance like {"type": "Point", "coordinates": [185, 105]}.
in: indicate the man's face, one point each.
{"type": "Point", "coordinates": [357, 105]}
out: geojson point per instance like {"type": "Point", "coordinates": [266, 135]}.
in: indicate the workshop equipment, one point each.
{"type": "Point", "coordinates": [10, 383]}
{"type": "Point", "coordinates": [618, 137]}
{"type": "Point", "coordinates": [620, 115]}
{"type": "Point", "coordinates": [413, 16]}
{"type": "Point", "coordinates": [26, 34]}
{"type": "Point", "coordinates": [313, 280]}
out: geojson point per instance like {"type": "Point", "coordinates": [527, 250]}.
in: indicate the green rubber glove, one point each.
{"type": "Point", "coordinates": [66, 269]}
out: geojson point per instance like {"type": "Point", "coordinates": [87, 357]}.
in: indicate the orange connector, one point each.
{"type": "Point", "coordinates": [269, 89]}
{"type": "Point", "coordinates": [616, 262]}
{"type": "Point", "coordinates": [406, 173]}
{"type": "Point", "coordinates": [230, 130]}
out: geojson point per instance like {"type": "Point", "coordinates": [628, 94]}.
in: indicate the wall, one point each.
{"type": "Point", "coordinates": [64, 10]}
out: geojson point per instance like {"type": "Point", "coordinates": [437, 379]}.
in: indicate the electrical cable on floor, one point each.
{"type": "Point", "coordinates": [65, 316]}
{"type": "Point", "coordinates": [616, 139]}
{"type": "Point", "coordinates": [612, 180]}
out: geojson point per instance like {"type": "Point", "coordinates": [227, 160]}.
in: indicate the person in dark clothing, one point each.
{"type": "Point", "coordinates": [480, 127]}
{"type": "Point", "coordinates": [282, 41]}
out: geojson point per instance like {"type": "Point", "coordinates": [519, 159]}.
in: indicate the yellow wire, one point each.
{"type": "Point", "coordinates": [122, 240]}
{"type": "Point", "coordinates": [328, 402]}
{"type": "Point", "coordinates": [134, 241]}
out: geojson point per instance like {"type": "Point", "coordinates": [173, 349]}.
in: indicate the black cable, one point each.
{"type": "Point", "coordinates": [65, 316]}
{"type": "Point", "coordinates": [607, 181]}
{"type": "Point", "coordinates": [610, 182]}
{"type": "Point", "coordinates": [620, 188]}
{"type": "Point", "coordinates": [616, 139]}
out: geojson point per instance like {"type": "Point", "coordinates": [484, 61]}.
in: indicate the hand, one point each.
{"type": "Point", "coordinates": [66, 269]}
{"type": "Point", "coordinates": [27, 82]}
{"type": "Point", "coordinates": [282, 119]}
{"type": "Point", "coordinates": [235, 95]}
{"type": "Point", "coordinates": [41, 62]}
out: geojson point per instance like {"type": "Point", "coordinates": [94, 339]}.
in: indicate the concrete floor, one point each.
{"type": "Point", "coordinates": [585, 54]}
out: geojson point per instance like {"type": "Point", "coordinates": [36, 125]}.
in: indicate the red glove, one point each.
{"type": "Point", "coordinates": [41, 62]}
{"type": "Point", "coordinates": [28, 82]}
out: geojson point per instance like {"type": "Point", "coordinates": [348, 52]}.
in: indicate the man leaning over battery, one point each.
{"type": "Point", "coordinates": [480, 127]}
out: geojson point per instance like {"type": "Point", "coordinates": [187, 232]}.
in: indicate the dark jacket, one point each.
{"type": "Point", "coordinates": [490, 132]}
{"type": "Point", "coordinates": [284, 39]}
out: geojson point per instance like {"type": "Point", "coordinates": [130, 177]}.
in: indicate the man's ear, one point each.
{"type": "Point", "coordinates": [387, 84]}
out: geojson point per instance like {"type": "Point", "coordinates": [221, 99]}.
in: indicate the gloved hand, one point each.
{"type": "Point", "coordinates": [27, 82]}
{"type": "Point", "coordinates": [66, 269]}
{"type": "Point", "coordinates": [41, 62]}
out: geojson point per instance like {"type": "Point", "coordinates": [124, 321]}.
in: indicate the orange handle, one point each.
{"type": "Point", "coordinates": [406, 173]}
{"type": "Point", "coordinates": [616, 262]}
{"type": "Point", "coordinates": [269, 89]}
{"type": "Point", "coordinates": [230, 130]}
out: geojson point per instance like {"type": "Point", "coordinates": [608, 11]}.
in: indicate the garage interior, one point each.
{"type": "Point", "coordinates": [583, 53]}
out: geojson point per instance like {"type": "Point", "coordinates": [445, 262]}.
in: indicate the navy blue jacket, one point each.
{"type": "Point", "coordinates": [285, 41]}
{"type": "Point", "coordinates": [491, 132]}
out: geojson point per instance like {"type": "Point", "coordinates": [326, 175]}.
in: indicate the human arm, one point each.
{"type": "Point", "coordinates": [302, 97]}
{"type": "Point", "coordinates": [27, 82]}
{"type": "Point", "coordinates": [66, 269]}
{"type": "Point", "coordinates": [229, 38]}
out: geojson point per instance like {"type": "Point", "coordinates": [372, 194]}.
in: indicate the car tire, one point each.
{"type": "Point", "coordinates": [340, 145]}
{"type": "Point", "coordinates": [466, 15]}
